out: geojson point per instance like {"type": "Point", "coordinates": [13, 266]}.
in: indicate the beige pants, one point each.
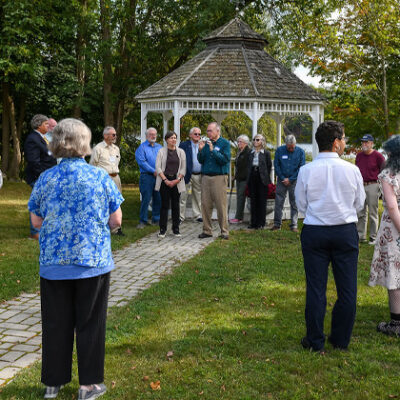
{"type": "Point", "coordinates": [372, 202]}
{"type": "Point", "coordinates": [117, 181]}
{"type": "Point", "coordinates": [195, 183]}
{"type": "Point", "coordinates": [213, 192]}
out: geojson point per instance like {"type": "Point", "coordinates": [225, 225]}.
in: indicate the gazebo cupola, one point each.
{"type": "Point", "coordinates": [233, 73]}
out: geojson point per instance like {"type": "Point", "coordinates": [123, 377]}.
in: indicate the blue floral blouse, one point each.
{"type": "Point", "coordinates": [75, 200]}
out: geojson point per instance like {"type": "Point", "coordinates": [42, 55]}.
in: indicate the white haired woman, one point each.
{"type": "Point", "coordinates": [74, 205]}
{"type": "Point", "coordinates": [259, 171]}
{"type": "Point", "coordinates": [241, 177]}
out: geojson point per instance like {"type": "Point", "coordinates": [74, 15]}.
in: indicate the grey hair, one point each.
{"type": "Point", "coordinates": [290, 139]}
{"type": "Point", "coordinates": [245, 138]}
{"type": "Point", "coordinates": [263, 143]}
{"type": "Point", "coordinates": [195, 127]}
{"type": "Point", "coordinates": [217, 127]}
{"type": "Point", "coordinates": [38, 120]}
{"type": "Point", "coordinates": [106, 129]}
{"type": "Point", "coordinates": [151, 129]}
{"type": "Point", "coordinates": [71, 138]}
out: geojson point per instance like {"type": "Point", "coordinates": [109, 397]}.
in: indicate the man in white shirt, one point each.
{"type": "Point", "coordinates": [330, 192]}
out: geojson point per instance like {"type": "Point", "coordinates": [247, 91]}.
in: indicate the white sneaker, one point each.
{"type": "Point", "coordinates": [372, 242]}
{"type": "Point", "coordinates": [161, 235]}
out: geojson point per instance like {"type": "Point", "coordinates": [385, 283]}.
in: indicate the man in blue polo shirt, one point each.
{"type": "Point", "coordinates": [146, 155]}
{"type": "Point", "coordinates": [287, 162]}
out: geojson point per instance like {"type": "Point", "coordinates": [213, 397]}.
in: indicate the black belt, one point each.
{"type": "Point", "coordinates": [113, 175]}
{"type": "Point", "coordinates": [196, 173]}
{"type": "Point", "coordinates": [214, 174]}
{"type": "Point", "coordinates": [170, 177]}
{"type": "Point", "coordinates": [369, 183]}
{"type": "Point", "coordinates": [255, 168]}
{"type": "Point", "coordinates": [148, 173]}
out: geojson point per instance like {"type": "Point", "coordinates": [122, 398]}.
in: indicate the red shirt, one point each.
{"type": "Point", "coordinates": [370, 165]}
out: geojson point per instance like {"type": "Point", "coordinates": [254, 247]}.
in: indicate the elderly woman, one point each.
{"type": "Point", "coordinates": [74, 205]}
{"type": "Point", "coordinates": [171, 169]}
{"type": "Point", "coordinates": [259, 171]}
{"type": "Point", "coordinates": [241, 177]}
{"type": "Point", "coordinates": [385, 265]}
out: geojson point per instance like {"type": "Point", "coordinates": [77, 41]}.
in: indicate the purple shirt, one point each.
{"type": "Point", "coordinates": [370, 165]}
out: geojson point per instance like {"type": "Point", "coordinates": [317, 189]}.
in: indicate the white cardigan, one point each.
{"type": "Point", "coordinates": [161, 162]}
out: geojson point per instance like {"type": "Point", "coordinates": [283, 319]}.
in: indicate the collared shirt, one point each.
{"type": "Point", "coordinates": [106, 156]}
{"type": "Point", "coordinates": [287, 163]}
{"type": "Point", "coordinates": [196, 165]}
{"type": "Point", "coordinates": [217, 161]}
{"type": "Point", "coordinates": [75, 201]}
{"type": "Point", "coordinates": [370, 165]}
{"type": "Point", "coordinates": [329, 191]}
{"type": "Point", "coordinates": [44, 137]}
{"type": "Point", "coordinates": [256, 154]}
{"type": "Point", "coordinates": [146, 156]}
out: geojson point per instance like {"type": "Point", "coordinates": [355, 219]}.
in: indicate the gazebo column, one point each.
{"type": "Point", "coordinates": [143, 122]}
{"type": "Point", "coordinates": [278, 120]}
{"type": "Point", "coordinates": [178, 114]}
{"type": "Point", "coordinates": [317, 116]}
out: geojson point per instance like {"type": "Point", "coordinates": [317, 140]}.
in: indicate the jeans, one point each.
{"type": "Point", "coordinates": [146, 187]}
{"type": "Point", "coordinates": [280, 196]}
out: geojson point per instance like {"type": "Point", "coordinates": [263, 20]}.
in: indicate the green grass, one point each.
{"type": "Point", "coordinates": [233, 317]}
{"type": "Point", "coordinates": [19, 255]}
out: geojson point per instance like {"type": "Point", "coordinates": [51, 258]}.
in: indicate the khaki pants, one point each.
{"type": "Point", "coordinates": [195, 183]}
{"type": "Point", "coordinates": [372, 202]}
{"type": "Point", "coordinates": [213, 192]}
{"type": "Point", "coordinates": [117, 181]}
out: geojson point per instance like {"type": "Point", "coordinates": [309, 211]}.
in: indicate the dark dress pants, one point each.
{"type": "Point", "coordinates": [169, 198]}
{"type": "Point", "coordinates": [258, 200]}
{"type": "Point", "coordinates": [78, 305]}
{"type": "Point", "coordinates": [338, 245]}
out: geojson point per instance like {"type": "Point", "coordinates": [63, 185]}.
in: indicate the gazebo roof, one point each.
{"type": "Point", "coordinates": [234, 65]}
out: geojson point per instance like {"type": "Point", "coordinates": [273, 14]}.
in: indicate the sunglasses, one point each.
{"type": "Point", "coordinates": [112, 134]}
{"type": "Point", "coordinates": [256, 140]}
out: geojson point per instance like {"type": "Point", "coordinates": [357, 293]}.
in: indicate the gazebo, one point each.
{"type": "Point", "coordinates": [233, 73]}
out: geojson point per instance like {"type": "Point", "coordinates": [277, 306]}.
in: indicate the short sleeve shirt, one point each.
{"type": "Point", "coordinates": [75, 201]}
{"type": "Point", "coordinates": [107, 157]}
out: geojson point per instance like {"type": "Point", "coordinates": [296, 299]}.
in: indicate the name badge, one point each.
{"type": "Point", "coordinates": [217, 148]}
{"type": "Point", "coordinates": [49, 153]}
{"type": "Point", "coordinates": [112, 159]}
{"type": "Point", "coordinates": [285, 157]}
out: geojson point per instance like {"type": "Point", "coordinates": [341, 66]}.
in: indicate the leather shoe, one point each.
{"type": "Point", "coordinates": [294, 230]}
{"type": "Point", "coordinates": [335, 346]}
{"type": "Point", "coordinates": [204, 235]}
{"type": "Point", "coordinates": [225, 237]}
{"type": "Point", "coordinates": [276, 228]}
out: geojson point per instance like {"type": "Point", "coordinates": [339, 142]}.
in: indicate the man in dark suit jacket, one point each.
{"type": "Point", "coordinates": [193, 175]}
{"type": "Point", "coordinates": [37, 154]}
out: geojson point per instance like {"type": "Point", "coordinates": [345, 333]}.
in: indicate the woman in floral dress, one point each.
{"type": "Point", "coordinates": [385, 267]}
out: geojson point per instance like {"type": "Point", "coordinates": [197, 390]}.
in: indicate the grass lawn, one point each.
{"type": "Point", "coordinates": [19, 255]}
{"type": "Point", "coordinates": [227, 325]}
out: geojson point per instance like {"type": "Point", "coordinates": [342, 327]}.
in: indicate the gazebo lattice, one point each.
{"type": "Point", "coordinates": [233, 73]}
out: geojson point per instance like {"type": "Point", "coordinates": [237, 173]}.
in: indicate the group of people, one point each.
{"type": "Point", "coordinates": [334, 195]}
{"type": "Point", "coordinates": [166, 173]}
{"type": "Point", "coordinates": [76, 205]}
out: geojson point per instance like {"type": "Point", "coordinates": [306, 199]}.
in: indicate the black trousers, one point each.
{"type": "Point", "coordinates": [78, 305]}
{"type": "Point", "coordinates": [258, 200]}
{"type": "Point", "coordinates": [338, 245]}
{"type": "Point", "coordinates": [169, 198]}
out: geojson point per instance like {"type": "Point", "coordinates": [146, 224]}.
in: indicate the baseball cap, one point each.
{"type": "Point", "coordinates": [367, 138]}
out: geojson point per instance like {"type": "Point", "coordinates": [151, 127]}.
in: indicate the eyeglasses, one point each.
{"type": "Point", "coordinates": [196, 134]}
{"type": "Point", "coordinates": [112, 134]}
{"type": "Point", "coordinates": [256, 140]}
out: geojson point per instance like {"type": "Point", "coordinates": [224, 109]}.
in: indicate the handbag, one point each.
{"type": "Point", "coordinates": [271, 191]}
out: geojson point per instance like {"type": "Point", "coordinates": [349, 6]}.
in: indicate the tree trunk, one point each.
{"type": "Point", "coordinates": [385, 99]}
{"type": "Point", "coordinates": [105, 20]}
{"type": "Point", "coordinates": [5, 130]}
{"type": "Point", "coordinates": [119, 119]}
{"type": "Point", "coordinates": [13, 171]}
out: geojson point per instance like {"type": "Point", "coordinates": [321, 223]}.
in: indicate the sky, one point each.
{"type": "Point", "coordinates": [303, 74]}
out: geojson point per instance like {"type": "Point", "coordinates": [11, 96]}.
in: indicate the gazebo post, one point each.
{"type": "Point", "coordinates": [143, 122]}
{"type": "Point", "coordinates": [317, 117]}
{"type": "Point", "coordinates": [218, 116]}
{"type": "Point", "coordinates": [167, 115]}
{"type": "Point", "coordinates": [177, 121]}
{"type": "Point", "coordinates": [255, 118]}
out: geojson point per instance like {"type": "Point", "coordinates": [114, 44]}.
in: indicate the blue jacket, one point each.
{"type": "Point", "coordinates": [187, 147]}
{"type": "Point", "coordinates": [146, 155]}
{"type": "Point", "coordinates": [216, 162]}
{"type": "Point", "coordinates": [287, 164]}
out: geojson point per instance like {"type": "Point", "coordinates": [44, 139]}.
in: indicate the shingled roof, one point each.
{"type": "Point", "coordinates": [234, 65]}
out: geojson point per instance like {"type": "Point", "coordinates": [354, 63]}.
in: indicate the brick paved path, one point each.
{"type": "Point", "coordinates": [137, 267]}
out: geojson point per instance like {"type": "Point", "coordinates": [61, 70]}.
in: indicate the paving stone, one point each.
{"type": "Point", "coordinates": [13, 339]}
{"type": "Point", "coordinates": [11, 356]}
{"type": "Point", "coordinates": [26, 360]}
{"type": "Point", "coordinates": [24, 334]}
{"type": "Point", "coordinates": [25, 347]}
{"type": "Point", "coordinates": [9, 372]}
